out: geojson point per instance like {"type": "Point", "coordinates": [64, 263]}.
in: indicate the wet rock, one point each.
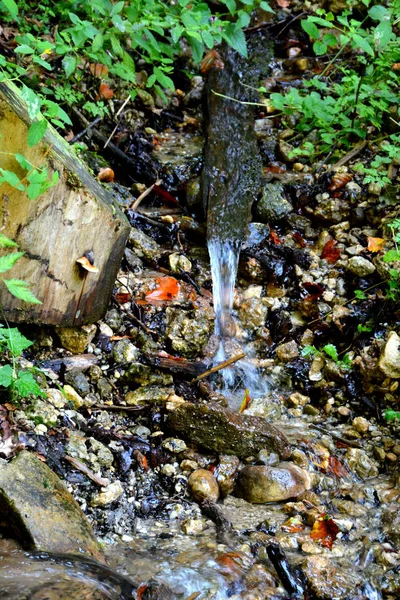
{"type": "Point", "coordinates": [179, 263]}
{"type": "Point", "coordinates": [226, 473]}
{"type": "Point", "coordinates": [286, 151]}
{"type": "Point", "coordinates": [180, 154]}
{"type": "Point", "coordinates": [78, 381]}
{"type": "Point", "coordinates": [76, 447]}
{"type": "Point", "coordinates": [389, 362]}
{"type": "Point", "coordinates": [104, 388]}
{"type": "Point", "coordinates": [360, 266]}
{"type": "Point", "coordinates": [188, 331]}
{"type": "Point", "coordinates": [361, 425]}
{"type": "Point", "coordinates": [145, 246]}
{"type": "Point", "coordinates": [192, 526]}
{"type": "Point", "coordinates": [145, 375]}
{"type": "Point", "coordinates": [113, 318]}
{"type": "Point", "coordinates": [125, 352]}
{"type": "Point", "coordinates": [260, 483]}
{"type": "Point", "coordinates": [174, 445]}
{"type": "Point", "coordinates": [76, 339]}
{"type": "Point", "coordinates": [331, 210]}
{"type": "Point", "coordinates": [253, 312]}
{"type": "Point", "coordinates": [391, 523]}
{"type": "Point", "coordinates": [193, 193]}
{"type": "Point", "coordinates": [287, 352]}
{"type": "Point", "coordinates": [104, 456]}
{"type": "Point", "coordinates": [273, 205]}
{"type": "Point", "coordinates": [148, 394]}
{"type": "Point", "coordinates": [360, 463]}
{"type": "Point", "coordinates": [133, 261]}
{"type": "Point", "coordinates": [41, 510]}
{"type": "Point", "coordinates": [217, 428]}
{"type": "Point", "coordinates": [203, 485]}
{"type": "Point", "coordinates": [328, 582]}
{"type": "Point", "coordinates": [108, 495]}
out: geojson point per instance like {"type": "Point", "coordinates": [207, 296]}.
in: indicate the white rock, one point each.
{"type": "Point", "coordinates": [389, 362]}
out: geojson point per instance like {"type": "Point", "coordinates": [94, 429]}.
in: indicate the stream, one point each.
{"type": "Point", "coordinates": [158, 543]}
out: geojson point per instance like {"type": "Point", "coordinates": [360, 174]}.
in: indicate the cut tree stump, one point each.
{"type": "Point", "coordinates": [75, 217]}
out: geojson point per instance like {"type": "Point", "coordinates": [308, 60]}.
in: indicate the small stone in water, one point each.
{"type": "Point", "coordinates": [288, 351]}
{"type": "Point", "coordinates": [192, 526]}
{"type": "Point", "coordinates": [360, 266]}
{"type": "Point", "coordinates": [203, 485]}
{"type": "Point", "coordinates": [109, 494]}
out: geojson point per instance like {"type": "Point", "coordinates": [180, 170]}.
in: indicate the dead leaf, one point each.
{"type": "Point", "coordinates": [315, 290]}
{"type": "Point", "coordinates": [274, 237]}
{"type": "Point", "coordinates": [330, 253]}
{"type": "Point", "coordinates": [117, 338]}
{"type": "Point", "coordinates": [105, 174]}
{"type": "Point", "coordinates": [336, 467]}
{"type": "Point", "coordinates": [325, 531]}
{"type": "Point", "coordinates": [167, 288]}
{"type": "Point", "coordinates": [339, 180]}
{"type": "Point", "coordinates": [211, 59]}
{"type": "Point", "coordinates": [86, 264]}
{"type": "Point", "coordinates": [123, 297]}
{"type": "Point", "coordinates": [105, 91]}
{"type": "Point", "coordinates": [140, 591]}
{"type": "Point", "coordinates": [246, 401]}
{"type": "Point", "coordinates": [283, 3]}
{"type": "Point", "coordinates": [375, 244]}
{"type": "Point", "coordinates": [98, 70]}
{"type": "Point", "coordinates": [297, 238]}
{"type": "Point", "coordinates": [293, 525]}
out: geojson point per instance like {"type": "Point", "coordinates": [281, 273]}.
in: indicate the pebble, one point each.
{"type": "Point", "coordinates": [389, 362]}
{"type": "Point", "coordinates": [174, 445]}
{"type": "Point", "coordinates": [192, 526]}
{"type": "Point", "coordinates": [360, 266]}
{"type": "Point", "coordinates": [361, 424]}
{"type": "Point", "coordinates": [203, 485]}
{"type": "Point", "coordinates": [108, 495]}
{"type": "Point", "coordinates": [288, 351]}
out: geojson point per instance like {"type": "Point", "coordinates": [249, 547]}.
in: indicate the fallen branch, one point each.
{"type": "Point", "coordinates": [77, 464]}
{"type": "Point", "coordinates": [225, 363]}
{"type": "Point", "coordinates": [133, 206]}
{"type": "Point", "coordinates": [352, 154]}
{"type": "Point", "coordinates": [117, 408]}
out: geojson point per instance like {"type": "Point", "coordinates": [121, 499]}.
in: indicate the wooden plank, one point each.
{"type": "Point", "coordinates": [74, 217]}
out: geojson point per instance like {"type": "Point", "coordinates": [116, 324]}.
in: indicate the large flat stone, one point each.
{"type": "Point", "coordinates": [41, 511]}
{"type": "Point", "coordinates": [220, 430]}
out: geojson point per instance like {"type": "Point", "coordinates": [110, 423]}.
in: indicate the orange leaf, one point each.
{"type": "Point", "coordinates": [336, 467]}
{"type": "Point", "coordinates": [105, 91]}
{"type": "Point", "coordinates": [283, 3]}
{"type": "Point", "coordinates": [105, 174]}
{"type": "Point", "coordinates": [324, 530]}
{"type": "Point", "coordinates": [122, 297]}
{"type": "Point", "coordinates": [167, 288]}
{"type": "Point", "coordinates": [339, 180]}
{"type": "Point", "coordinates": [140, 591]}
{"type": "Point", "coordinates": [329, 252]}
{"type": "Point", "coordinates": [98, 70]}
{"type": "Point", "coordinates": [275, 238]}
{"type": "Point", "coordinates": [375, 244]}
{"type": "Point", "coordinates": [246, 401]}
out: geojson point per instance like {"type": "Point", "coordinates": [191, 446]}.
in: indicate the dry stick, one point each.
{"type": "Point", "coordinates": [116, 127]}
{"type": "Point", "coordinates": [84, 469]}
{"type": "Point", "coordinates": [352, 154]}
{"type": "Point", "coordinates": [219, 367]}
{"type": "Point", "coordinates": [117, 408]}
{"type": "Point", "coordinates": [133, 206]}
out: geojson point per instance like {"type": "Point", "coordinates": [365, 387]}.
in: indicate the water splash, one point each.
{"type": "Point", "coordinates": [224, 260]}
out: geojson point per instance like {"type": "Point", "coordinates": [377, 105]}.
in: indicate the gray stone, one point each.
{"type": "Point", "coordinates": [142, 375]}
{"type": "Point", "coordinates": [287, 352]}
{"type": "Point", "coordinates": [78, 381]}
{"type": "Point", "coordinates": [226, 472]}
{"type": "Point", "coordinates": [188, 331]}
{"type": "Point", "coordinates": [104, 456]}
{"type": "Point", "coordinates": [360, 266]}
{"type": "Point", "coordinates": [109, 494]}
{"type": "Point", "coordinates": [113, 318]}
{"type": "Point", "coordinates": [125, 352]}
{"type": "Point", "coordinates": [218, 429]}
{"type": "Point", "coordinates": [360, 463]}
{"type": "Point", "coordinates": [261, 483]}
{"type": "Point", "coordinates": [273, 204]}
{"type": "Point", "coordinates": [144, 245]}
{"type": "Point", "coordinates": [41, 510]}
{"type": "Point", "coordinates": [327, 581]}
{"type": "Point", "coordinates": [174, 445]}
{"type": "Point", "coordinates": [389, 362]}
{"type": "Point", "coordinates": [134, 262]}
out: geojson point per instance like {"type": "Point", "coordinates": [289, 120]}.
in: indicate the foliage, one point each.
{"type": "Point", "coordinates": [16, 287]}
{"type": "Point", "coordinates": [347, 102]}
{"type": "Point", "coordinates": [117, 35]}
{"type": "Point", "coordinates": [331, 351]}
{"type": "Point", "coordinates": [391, 415]}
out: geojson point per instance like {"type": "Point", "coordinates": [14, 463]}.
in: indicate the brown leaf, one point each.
{"type": "Point", "coordinates": [330, 253]}
{"type": "Point", "coordinates": [375, 244]}
{"type": "Point", "coordinates": [211, 59]}
{"type": "Point", "coordinates": [336, 467]}
{"type": "Point", "coordinates": [315, 290]}
{"type": "Point", "coordinates": [283, 3]}
{"type": "Point", "coordinates": [246, 401]}
{"type": "Point", "coordinates": [167, 288]}
{"type": "Point", "coordinates": [98, 70]}
{"type": "Point", "coordinates": [105, 174]}
{"type": "Point", "coordinates": [325, 531]}
{"type": "Point", "coordinates": [123, 297]}
{"type": "Point", "coordinates": [105, 91]}
{"type": "Point", "coordinates": [297, 238]}
{"type": "Point", "coordinates": [339, 180]}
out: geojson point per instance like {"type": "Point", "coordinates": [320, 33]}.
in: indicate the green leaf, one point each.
{"type": "Point", "coordinates": [36, 132]}
{"type": "Point", "coordinates": [391, 415]}
{"type": "Point", "coordinates": [12, 8]}
{"type": "Point", "coordinates": [330, 40]}
{"type": "Point", "coordinates": [32, 100]}
{"type": "Point", "coordinates": [8, 261]}
{"type": "Point", "coordinates": [207, 39]}
{"type": "Point", "coordinates": [26, 384]}
{"type": "Point", "coordinates": [363, 44]}
{"type": "Point", "coordinates": [311, 29]}
{"type": "Point", "coordinates": [359, 294]}
{"type": "Point", "coordinates": [6, 376]}
{"type": "Point", "coordinates": [265, 6]}
{"type": "Point", "coordinates": [235, 38]}
{"type": "Point", "coordinates": [391, 256]}
{"type": "Point", "coordinates": [331, 351]}
{"type": "Point", "coordinates": [24, 49]}
{"type": "Point", "coordinates": [15, 341]}
{"type": "Point", "coordinates": [378, 13]}
{"type": "Point", "coordinates": [69, 64]}
{"type": "Point", "coordinates": [5, 242]}
{"type": "Point", "coordinates": [197, 49]}
{"type": "Point", "coordinates": [231, 5]}
{"type": "Point", "coordinates": [320, 48]}
{"type": "Point", "coordinates": [20, 289]}
{"type": "Point", "coordinates": [383, 34]}
{"type": "Point", "coordinates": [11, 178]}
{"type": "Point", "coordinates": [309, 351]}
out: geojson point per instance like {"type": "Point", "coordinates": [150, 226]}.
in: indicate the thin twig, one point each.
{"type": "Point", "coordinates": [143, 195]}
{"type": "Point", "coordinates": [77, 464]}
{"type": "Point", "coordinates": [86, 130]}
{"type": "Point", "coordinates": [219, 367]}
{"type": "Point", "coordinates": [352, 154]}
{"type": "Point", "coordinates": [117, 408]}
{"type": "Point", "coordinates": [117, 125]}
{"type": "Point", "coordinates": [336, 436]}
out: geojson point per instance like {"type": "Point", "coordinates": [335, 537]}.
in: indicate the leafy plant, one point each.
{"type": "Point", "coordinates": [331, 351]}
{"type": "Point", "coordinates": [16, 287]}
{"type": "Point", "coordinates": [20, 382]}
{"type": "Point", "coordinates": [391, 415]}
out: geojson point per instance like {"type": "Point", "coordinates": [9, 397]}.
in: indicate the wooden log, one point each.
{"type": "Point", "coordinates": [74, 217]}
